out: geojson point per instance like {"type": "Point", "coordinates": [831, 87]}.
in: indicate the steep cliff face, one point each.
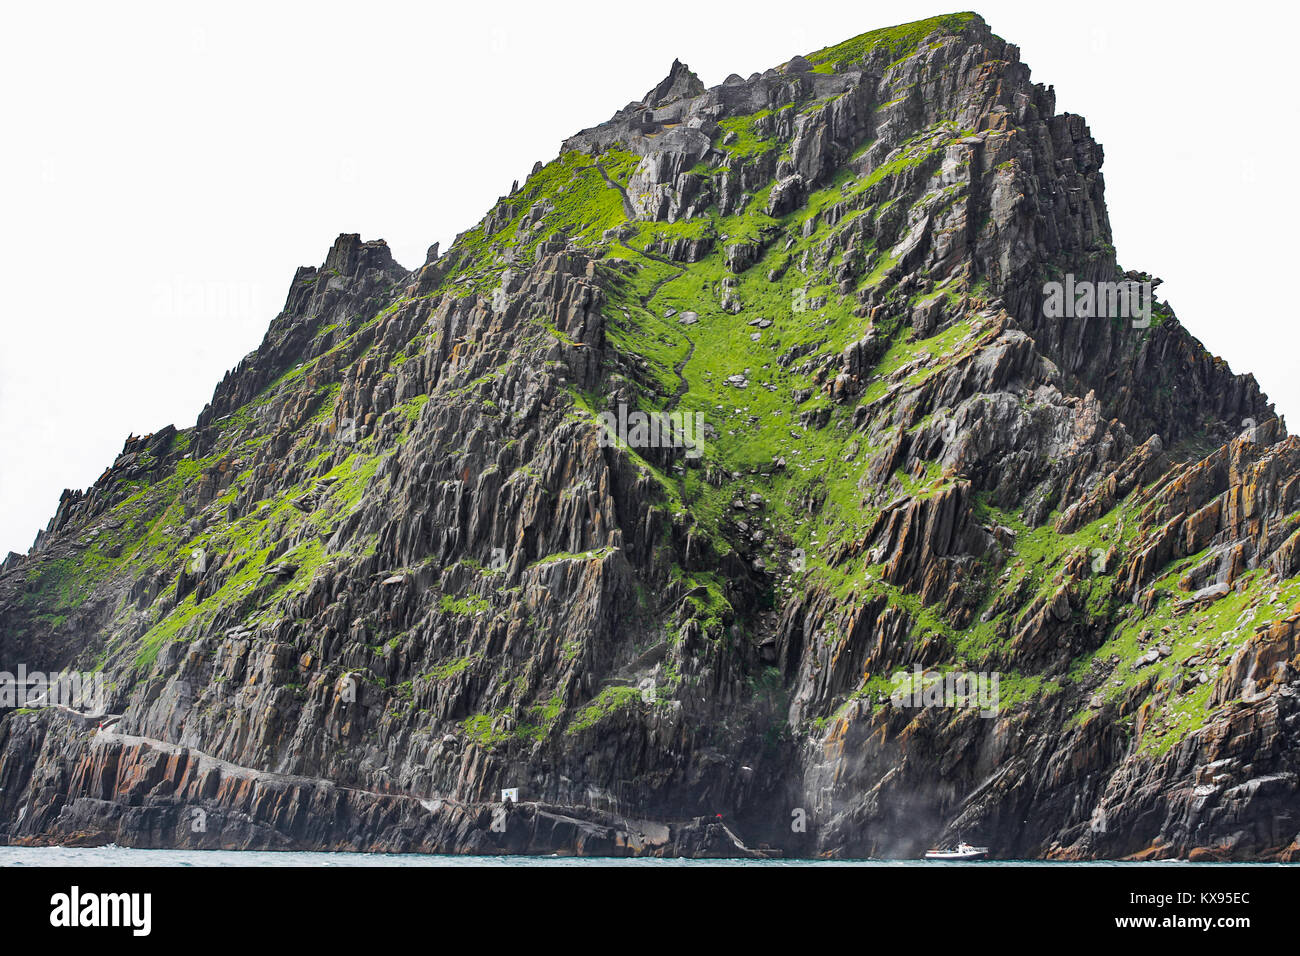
{"type": "Point", "coordinates": [400, 563]}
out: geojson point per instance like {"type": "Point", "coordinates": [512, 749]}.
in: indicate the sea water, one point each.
{"type": "Point", "coordinates": [125, 856]}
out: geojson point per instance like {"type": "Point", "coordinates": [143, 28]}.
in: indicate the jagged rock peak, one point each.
{"type": "Point", "coordinates": [350, 254]}
{"type": "Point", "coordinates": [680, 83]}
{"type": "Point", "coordinates": [860, 63]}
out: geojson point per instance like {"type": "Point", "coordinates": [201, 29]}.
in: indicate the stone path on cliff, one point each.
{"type": "Point", "coordinates": [679, 369]}
{"type": "Point", "coordinates": [683, 386]}
{"type": "Point", "coordinates": [627, 203]}
{"type": "Point", "coordinates": [105, 734]}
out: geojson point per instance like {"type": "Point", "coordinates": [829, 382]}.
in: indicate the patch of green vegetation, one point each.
{"type": "Point", "coordinates": [901, 41]}
{"type": "Point", "coordinates": [747, 144]}
{"type": "Point", "coordinates": [571, 196]}
{"type": "Point", "coordinates": [411, 408]}
{"type": "Point", "coordinates": [1187, 643]}
{"type": "Point", "coordinates": [450, 668]}
{"type": "Point", "coordinates": [478, 728]}
{"type": "Point", "coordinates": [466, 606]}
{"type": "Point", "coordinates": [607, 702]}
{"type": "Point", "coordinates": [591, 555]}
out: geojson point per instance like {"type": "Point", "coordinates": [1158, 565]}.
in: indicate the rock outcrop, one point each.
{"type": "Point", "coordinates": [727, 490]}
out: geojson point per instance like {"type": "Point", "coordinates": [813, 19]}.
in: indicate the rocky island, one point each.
{"type": "Point", "coordinates": [727, 490]}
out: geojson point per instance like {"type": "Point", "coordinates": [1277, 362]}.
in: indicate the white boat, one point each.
{"type": "Point", "coordinates": [964, 851]}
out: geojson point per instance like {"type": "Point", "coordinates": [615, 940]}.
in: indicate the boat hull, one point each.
{"type": "Point", "coordinates": [975, 854]}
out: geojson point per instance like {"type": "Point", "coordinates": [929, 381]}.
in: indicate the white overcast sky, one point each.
{"type": "Point", "coordinates": [166, 168]}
